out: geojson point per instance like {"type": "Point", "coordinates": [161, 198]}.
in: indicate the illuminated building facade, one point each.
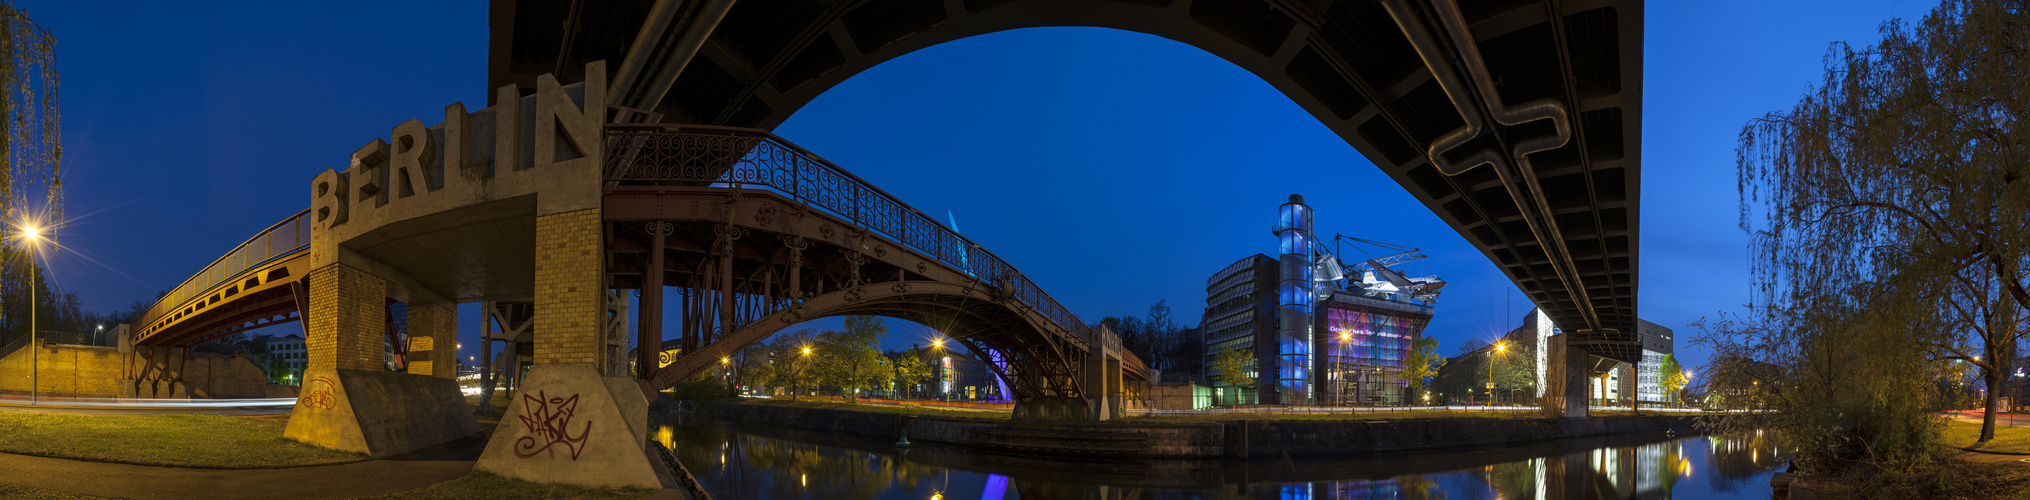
{"type": "Point", "coordinates": [1321, 332]}
{"type": "Point", "coordinates": [1645, 379]}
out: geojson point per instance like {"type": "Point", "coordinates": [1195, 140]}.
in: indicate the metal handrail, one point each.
{"type": "Point", "coordinates": [254, 252]}
{"type": "Point", "coordinates": [688, 154]}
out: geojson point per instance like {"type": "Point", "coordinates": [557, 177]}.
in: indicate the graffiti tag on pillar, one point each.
{"type": "Point", "coordinates": [320, 398]}
{"type": "Point", "coordinates": [545, 420]}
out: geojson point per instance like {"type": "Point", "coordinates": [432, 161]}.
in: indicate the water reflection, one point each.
{"type": "Point", "coordinates": [745, 461]}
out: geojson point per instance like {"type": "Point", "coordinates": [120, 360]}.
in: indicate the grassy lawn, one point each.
{"type": "Point", "coordinates": [183, 440]}
{"type": "Point", "coordinates": [479, 484]}
{"type": "Point", "coordinates": [1208, 418]}
{"type": "Point", "coordinates": [2007, 439]}
{"type": "Point", "coordinates": [19, 491]}
{"type": "Point", "coordinates": [906, 409]}
{"type": "Point", "coordinates": [500, 406]}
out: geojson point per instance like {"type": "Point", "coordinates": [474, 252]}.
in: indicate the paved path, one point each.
{"type": "Point", "coordinates": [377, 477]}
{"type": "Point", "coordinates": [2001, 420]}
{"type": "Point", "coordinates": [17, 403]}
{"type": "Point", "coordinates": [224, 410]}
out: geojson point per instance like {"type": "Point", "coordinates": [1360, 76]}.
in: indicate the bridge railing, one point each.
{"type": "Point", "coordinates": [708, 155]}
{"type": "Point", "coordinates": [281, 239]}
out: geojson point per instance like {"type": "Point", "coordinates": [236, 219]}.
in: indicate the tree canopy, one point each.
{"type": "Point", "coordinates": [1889, 211]}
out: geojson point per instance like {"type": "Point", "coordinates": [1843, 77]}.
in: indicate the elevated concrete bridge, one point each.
{"type": "Point", "coordinates": [1516, 122]}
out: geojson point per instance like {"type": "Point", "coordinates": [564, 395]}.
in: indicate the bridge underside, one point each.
{"type": "Point", "coordinates": [1561, 222]}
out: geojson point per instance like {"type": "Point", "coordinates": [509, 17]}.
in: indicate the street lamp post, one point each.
{"type": "Point", "coordinates": [939, 368]}
{"type": "Point", "coordinates": [1346, 353]}
{"type": "Point", "coordinates": [807, 355]}
{"type": "Point", "coordinates": [34, 352]}
{"type": "Point", "coordinates": [726, 363]}
{"type": "Point", "coordinates": [1499, 347]}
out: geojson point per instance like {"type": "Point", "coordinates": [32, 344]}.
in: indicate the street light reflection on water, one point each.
{"type": "Point", "coordinates": [741, 460]}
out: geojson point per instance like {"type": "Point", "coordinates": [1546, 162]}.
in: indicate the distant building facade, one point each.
{"type": "Point", "coordinates": [1614, 386]}
{"type": "Point", "coordinates": [1465, 377]}
{"type": "Point", "coordinates": [957, 377]}
{"type": "Point", "coordinates": [289, 350]}
{"type": "Point", "coordinates": [1240, 314]}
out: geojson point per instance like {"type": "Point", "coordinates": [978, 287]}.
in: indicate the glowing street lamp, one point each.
{"type": "Point", "coordinates": [31, 234]}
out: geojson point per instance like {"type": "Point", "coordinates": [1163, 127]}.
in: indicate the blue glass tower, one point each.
{"type": "Point", "coordinates": [1293, 303]}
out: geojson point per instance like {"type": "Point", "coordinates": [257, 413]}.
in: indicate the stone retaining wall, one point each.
{"type": "Point", "coordinates": [104, 372]}
{"type": "Point", "coordinates": [1232, 439]}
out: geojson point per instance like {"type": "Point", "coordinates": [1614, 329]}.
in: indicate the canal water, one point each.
{"type": "Point", "coordinates": [749, 461]}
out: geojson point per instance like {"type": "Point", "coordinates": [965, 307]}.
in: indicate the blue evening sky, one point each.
{"type": "Point", "coordinates": [1114, 168]}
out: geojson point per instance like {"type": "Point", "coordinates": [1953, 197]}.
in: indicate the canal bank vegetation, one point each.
{"type": "Point", "coordinates": [170, 440]}
{"type": "Point", "coordinates": [1949, 479]}
{"type": "Point", "coordinates": [1889, 214]}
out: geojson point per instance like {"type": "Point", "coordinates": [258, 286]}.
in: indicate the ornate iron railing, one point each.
{"type": "Point", "coordinates": [706, 155]}
{"type": "Point", "coordinates": [283, 238]}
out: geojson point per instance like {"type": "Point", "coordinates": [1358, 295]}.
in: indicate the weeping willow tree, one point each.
{"type": "Point", "coordinates": [1889, 210]}
{"type": "Point", "coordinates": [30, 189]}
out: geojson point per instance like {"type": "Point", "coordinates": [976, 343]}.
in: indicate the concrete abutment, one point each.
{"type": "Point", "coordinates": [349, 401]}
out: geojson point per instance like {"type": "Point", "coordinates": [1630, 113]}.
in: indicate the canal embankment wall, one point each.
{"type": "Point", "coordinates": [1238, 438]}
{"type": "Point", "coordinates": [79, 371]}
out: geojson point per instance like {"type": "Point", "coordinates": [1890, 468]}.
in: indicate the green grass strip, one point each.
{"type": "Point", "coordinates": [172, 440]}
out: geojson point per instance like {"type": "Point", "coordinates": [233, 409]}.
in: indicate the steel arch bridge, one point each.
{"type": "Point", "coordinates": [755, 234]}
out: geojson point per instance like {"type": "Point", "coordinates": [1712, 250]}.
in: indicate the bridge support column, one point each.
{"type": "Point", "coordinates": [1571, 377]}
{"type": "Point", "coordinates": [1101, 374]}
{"type": "Point", "coordinates": [568, 421]}
{"type": "Point", "coordinates": [433, 340]}
{"type": "Point", "coordinates": [350, 400]}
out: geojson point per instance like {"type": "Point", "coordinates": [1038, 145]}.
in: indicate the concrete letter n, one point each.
{"type": "Point", "coordinates": [567, 133]}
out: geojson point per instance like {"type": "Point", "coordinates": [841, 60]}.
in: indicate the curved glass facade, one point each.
{"type": "Point", "coordinates": [1294, 298]}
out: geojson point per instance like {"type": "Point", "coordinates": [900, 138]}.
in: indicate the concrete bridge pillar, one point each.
{"type": "Point", "coordinates": [347, 315]}
{"type": "Point", "coordinates": [433, 340]}
{"type": "Point", "coordinates": [1101, 372]}
{"type": "Point", "coordinates": [350, 401]}
{"type": "Point", "coordinates": [1570, 376]}
{"type": "Point", "coordinates": [568, 421]}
